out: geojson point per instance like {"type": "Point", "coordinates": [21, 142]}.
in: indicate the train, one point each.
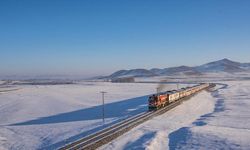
{"type": "Point", "coordinates": [159, 100]}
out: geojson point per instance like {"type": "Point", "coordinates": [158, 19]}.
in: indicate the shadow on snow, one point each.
{"type": "Point", "coordinates": [140, 143]}
{"type": "Point", "coordinates": [180, 137]}
{"type": "Point", "coordinates": [219, 107]}
{"type": "Point", "coordinates": [118, 109]}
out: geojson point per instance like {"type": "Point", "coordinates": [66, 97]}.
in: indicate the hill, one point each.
{"type": "Point", "coordinates": [223, 65]}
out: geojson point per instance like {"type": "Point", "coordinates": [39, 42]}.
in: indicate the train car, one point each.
{"type": "Point", "coordinates": [160, 100]}
{"type": "Point", "coordinates": [173, 96]}
{"type": "Point", "coordinates": [182, 93]}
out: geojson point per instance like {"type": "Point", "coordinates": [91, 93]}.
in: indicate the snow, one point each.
{"type": "Point", "coordinates": [228, 126]}
{"type": "Point", "coordinates": [154, 133]}
{"type": "Point", "coordinates": [220, 120]}
{"type": "Point", "coordinates": [48, 116]}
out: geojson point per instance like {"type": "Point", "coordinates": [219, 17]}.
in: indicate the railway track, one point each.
{"type": "Point", "coordinates": [104, 136]}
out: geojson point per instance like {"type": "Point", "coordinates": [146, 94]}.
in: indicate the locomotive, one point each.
{"type": "Point", "coordinates": [159, 100]}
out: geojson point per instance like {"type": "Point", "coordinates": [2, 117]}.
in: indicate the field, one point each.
{"type": "Point", "coordinates": [48, 116]}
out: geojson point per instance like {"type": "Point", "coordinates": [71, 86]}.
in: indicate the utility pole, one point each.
{"type": "Point", "coordinates": [103, 120]}
{"type": "Point", "coordinates": [157, 93]}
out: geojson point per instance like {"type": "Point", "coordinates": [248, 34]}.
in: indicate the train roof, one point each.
{"type": "Point", "coordinates": [180, 90]}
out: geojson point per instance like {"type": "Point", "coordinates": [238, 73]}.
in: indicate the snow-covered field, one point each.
{"type": "Point", "coordinates": [226, 127]}
{"type": "Point", "coordinates": [154, 133]}
{"type": "Point", "coordinates": [220, 120]}
{"type": "Point", "coordinates": [48, 116]}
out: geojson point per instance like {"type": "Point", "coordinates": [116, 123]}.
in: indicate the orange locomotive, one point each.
{"type": "Point", "coordinates": [160, 100]}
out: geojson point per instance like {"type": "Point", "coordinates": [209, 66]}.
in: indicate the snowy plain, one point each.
{"type": "Point", "coordinates": [154, 133]}
{"type": "Point", "coordinates": [219, 119]}
{"type": "Point", "coordinates": [48, 116]}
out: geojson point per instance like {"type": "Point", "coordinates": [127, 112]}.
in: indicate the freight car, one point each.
{"type": "Point", "coordinates": [162, 99]}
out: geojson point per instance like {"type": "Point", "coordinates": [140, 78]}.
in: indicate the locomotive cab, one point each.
{"type": "Point", "coordinates": [152, 102]}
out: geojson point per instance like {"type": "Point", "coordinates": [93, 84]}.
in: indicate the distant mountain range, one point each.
{"type": "Point", "coordinates": [224, 65]}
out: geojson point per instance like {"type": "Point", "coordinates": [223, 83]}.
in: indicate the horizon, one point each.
{"type": "Point", "coordinates": [86, 38]}
{"type": "Point", "coordinates": [76, 77]}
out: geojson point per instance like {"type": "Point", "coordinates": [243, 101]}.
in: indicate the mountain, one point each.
{"type": "Point", "coordinates": [180, 69]}
{"type": "Point", "coordinates": [224, 65]}
{"type": "Point", "coordinates": [245, 66]}
{"type": "Point", "coordinates": [132, 73]}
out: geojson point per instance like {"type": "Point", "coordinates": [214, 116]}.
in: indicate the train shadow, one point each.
{"type": "Point", "coordinates": [118, 109]}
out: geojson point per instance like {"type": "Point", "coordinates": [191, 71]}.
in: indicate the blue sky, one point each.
{"type": "Point", "coordinates": [91, 37]}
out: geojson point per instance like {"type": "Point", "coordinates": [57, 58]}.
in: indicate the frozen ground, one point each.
{"type": "Point", "coordinates": [154, 133]}
{"type": "Point", "coordinates": [48, 116]}
{"type": "Point", "coordinates": [220, 120]}
{"type": "Point", "coordinates": [227, 127]}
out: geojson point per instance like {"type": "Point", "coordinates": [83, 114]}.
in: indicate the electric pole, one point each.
{"type": "Point", "coordinates": [103, 115]}
{"type": "Point", "coordinates": [157, 93]}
